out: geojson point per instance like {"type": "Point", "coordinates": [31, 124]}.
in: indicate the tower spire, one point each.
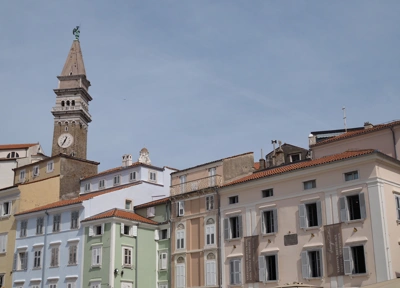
{"type": "Point", "coordinates": [74, 64]}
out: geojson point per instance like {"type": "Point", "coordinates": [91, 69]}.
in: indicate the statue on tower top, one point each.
{"type": "Point", "coordinates": [76, 32]}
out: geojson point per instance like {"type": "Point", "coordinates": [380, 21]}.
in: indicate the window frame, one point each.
{"type": "Point", "coordinates": [178, 266]}
{"type": "Point", "coordinates": [210, 202]}
{"type": "Point", "coordinates": [232, 276]}
{"type": "Point", "coordinates": [274, 221]}
{"type": "Point", "coordinates": [265, 193]}
{"type": "Point", "coordinates": [162, 262]}
{"type": "Point", "coordinates": [161, 231]}
{"type": "Point", "coordinates": [263, 265]}
{"type": "Point", "coordinates": [73, 254]}
{"type": "Point", "coordinates": [152, 172]}
{"type": "Point", "coordinates": [180, 208]}
{"type": "Point", "coordinates": [350, 259]}
{"type": "Point", "coordinates": [55, 256]}
{"type": "Point", "coordinates": [23, 228]}
{"type": "Point", "coordinates": [130, 203]}
{"type": "Point", "coordinates": [228, 233]}
{"type": "Point", "coordinates": [74, 220]}
{"type": "Point", "coordinates": [132, 176]}
{"type": "Point", "coordinates": [127, 256]}
{"type": "Point", "coordinates": [37, 259]}
{"type": "Point", "coordinates": [22, 263]}
{"type": "Point", "coordinates": [88, 187]}
{"type": "Point", "coordinates": [304, 221]}
{"type": "Point", "coordinates": [56, 224]}
{"type": "Point", "coordinates": [102, 184]}
{"type": "Point", "coordinates": [305, 261]}
{"type": "Point", "coordinates": [291, 159]}
{"type": "Point", "coordinates": [39, 225]}
{"type": "Point", "coordinates": [344, 212]}
{"type": "Point", "coordinates": [35, 171]}
{"type": "Point", "coordinates": [3, 242]}
{"type": "Point", "coordinates": [51, 168]}
{"type": "Point", "coordinates": [151, 212]}
{"type": "Point", "coordinates": [234, 198]}
{"type": "Point", "coordinates": [3, 212]}
{"type": "Point", "coordinates": [397, 201]}
{"type": "Point", "coordinates": [180, 240]}
{"type": "Point", "coordinates": [116, 180]}
{"type": "Point", "coordinates": [2, 279]}
{"type": "Point", "coordinates": [351, 173]}
{"type": "Point", "coordinates": [313, 184]}
{"type": "Point", "coordinates": [22, 175]}
{"type": "Point", "coordinates": [211, 233]}
{"type": "Point", "coordinates": [213, 280]}
{"type": "Point", "coordinates": [97, 255]}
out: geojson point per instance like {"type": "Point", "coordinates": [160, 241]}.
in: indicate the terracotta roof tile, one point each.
{"type": "Point", "coordinates": [357, 133]}
{"type": "Point", "coordinates": [129, 215]}
{"type": "Point", "coordinates": [153, 203]}
{"type": "Point", "coordinates": [17, 146]}
{"type": "Point", "coordinates": [77, 200]}
{"type": "Point", "coordinates": [301, 165]}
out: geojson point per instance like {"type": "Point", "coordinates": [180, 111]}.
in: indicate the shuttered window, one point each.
{"type": "Point", "coordinates": [162, 261]}
{"type": "Point", "coordinates": [233, 227]}
{"type": "Point", "coordinates": [310, 215]}
{"type": "Point", "coordinates": [180, 276]}
{"type": "Point", "coordinates": [3, 243]}
{"type": "Point", "coordinates": [96, 255]}
{"type": "Point", "coordinates": [55, 254]}
{"type": "Point", "coordinates": [210, 234]}
{"type": "Point", "coordinates": [269, 221]}
{"type": "Point", "coordinates": [56, 222]}
{"type": "Point", "coordinates": [37, 254]}
{"type": "Point", "coordinates": [235, 268]}
{"type": "Point", "coordinates": [74, 219]}
{"type": "Point", "coordinates": [352, 207]}
{"type": "Point", "coordinates": [22, 232]}
{"type": "Point", "coordinates": [126, 256]}
{"type": "Point", "coordinates": [268, 268]}
{"type": "Point", "coordinates": [311, 264]}
{"type": "Point", "coordinates": [39, 225]}
{"type": "Point", "coordinates": [211, 273]}
{"type": "Point", "coordinates": [72, 254]}
{"type": "Point", "coordinates": [398, 206]}
{"type": "Point", "coordinates": [181, 208]}
{"type": "Point", "coordinates": [354, 260]}
{"type": "Point", "coordinates": [180, 239]}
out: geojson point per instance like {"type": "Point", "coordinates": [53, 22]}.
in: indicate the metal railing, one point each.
{"type": "Point", "coordinates": [76, 107]}
{"type": "Point", "coordinates": [194, 185]}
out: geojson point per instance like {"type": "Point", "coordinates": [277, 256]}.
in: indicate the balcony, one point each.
{"type": "Point", "coordinates": [72, 108]}
{"type": "Point", "coordinates": [194, 185]}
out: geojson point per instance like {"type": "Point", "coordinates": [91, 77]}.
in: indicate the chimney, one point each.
{"type": "Point", "coordinates": [124, 160]}
{"type": "Point", "coordinates": [262, 164]}
{"type": "Point", "coordinates": [128, 160]}
{"type": "Point", "coordinates": [312, 139]}
{"type": "Point", "coordinates": [368, 125]}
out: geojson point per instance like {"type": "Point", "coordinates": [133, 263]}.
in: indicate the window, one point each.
{"type": "Point", "coordinates": [96, 230]}
{"type": "Point", "coordinates": [162, 285]}
{"type": "Point", "coordinates": [22, 232]}
{"type": "Point", "coordinates": [182, 180]}
{"type": "Point", "coordinates": [53, 285]}
{"type": "Point", "coordinates": [5, 208]}
{"type": "Point", "coordinates": [180, 273]}
{"type": "Point", "coordinates": [102, 184]}
{"type": "Point", "coordinates": [211, 173]}
{"type": "Point", "coordinates": [128, 204]}
{"type": "Point", "coordinates": [309, 184]}
{"type": "Point", "coordinates": [22, 175]}
{"type": "Point", "coordinates": [35, 171]}
{"type": "Point", "coordinates": [96, 255]}
{"type": "Point", "coordinates": [233, 199]}
{"type": "Point", "coordinates": [2, 280]}
{"type": "Point", "coordinates": [235, 272]}
{"type": "Point", "coordinates": [12, 155]}
{"type": "Point", "coordinates": [181, 208]}
{"type": "Point", "coordinates": [210, 202]}
{"type": "Point", "coordinates": [50, 166]}
{"type": "Point", "coordinates": [3, 243]}
{"type": "Point", "coordinates": [164, 234]}
{"type": "Point", "coordinates": [95, 284]}
{"type": "Point", "coordinates": [267, 193]}
{"type": "Point", "coordinates": [117, 180]}
{"type": "Point", "coordinates": [71, 284]}
{"type": "Point", "coordinates": [269, 221]}
{"type": "Point", "coordinates": [211, 270]}
{"type": "Point", "coordinates": [55, 256]}
{"type": "Point", "coordinates": [74, 219]}
{"type": "Point", "coordinates": [39, 225]}
{"type": "Point", "coordinates": [354, 260]}
{"type": "Point", "coordinates": [233, 227]}
{"type": "Point", "coordinates": [21, 260]}
{"type": "Point", "coordinates": [127, 256]}
{"type": "Point", "coordinates": [295, 157]}
{"type": "Point", "coordinates": [151, 212]}
{"type": "Point", "coordinates": [37, 254]}
{"type": "Point", "coordinates": [72, 250]}
{"type": "Point", "coordinates": [310, 215]}
{"type": "Point", "coordinates": [397, 197]}
{"type": "Point", "coordinates": [311, 264]}
{"type": "Point", "coordinates": [180, 237]}
{"type": "Point", "coordinates": [353, 175]}
{"type": "Point", "coordinates": [268, 268]}
{"type": "Point", "coordinates": [56, 222]}
{"type": "Point", "coordinates": [210, 232]}
{"type": "Point", "coordinates": [352, 207]}
{"type": "Point", "coordinates": [153, 176]}
{"type": "Point", "coordinates": [132, 176]}
{"type": "Point", "coordinates": [162, 261]}
{"type": "Point", "coordinates": [126, 229]}
{"type": "Point", "coordinates": [87, 187]}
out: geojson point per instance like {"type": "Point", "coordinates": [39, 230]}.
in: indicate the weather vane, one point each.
{"type": "Point", "coordinates": [76, 32]}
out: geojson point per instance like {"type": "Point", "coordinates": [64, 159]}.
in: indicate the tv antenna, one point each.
{"type": "Point", "coordinates": [344, 119]}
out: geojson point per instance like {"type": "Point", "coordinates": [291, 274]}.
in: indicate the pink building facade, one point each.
{"type": "Point", "coordinates": [330, 222]}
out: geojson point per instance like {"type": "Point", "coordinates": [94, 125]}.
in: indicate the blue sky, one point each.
{"type": "Point", "coordinates": [202, 80]}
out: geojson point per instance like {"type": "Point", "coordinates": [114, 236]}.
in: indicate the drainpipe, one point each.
{"type": "Point", "coordinates": [170, 244]}
{"type": "Point", "coordinates": [44, 248]}
{"type": "Point", "coordinates": [136, 258]}
{"type": "Point", "coordinates": [394, 143]}
{"type": "Point", "coordinates": [219, 239]}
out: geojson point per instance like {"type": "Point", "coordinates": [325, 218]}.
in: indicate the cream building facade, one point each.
{"type": "Point", "coordinates": [330, 222]}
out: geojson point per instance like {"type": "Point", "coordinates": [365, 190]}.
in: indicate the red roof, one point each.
{"type": "Point", "coordinates": [153, 203]}
{"type": "Point", "coordinates": [301, 165]}
{"type": "Point", "coordinates": [17, 146]}
{"type": "Point", "coordinates": [357, 133]}
{"type": "Point", "coordinates": [77, 200]}
{"type": "Point", "coordinates": [121, 214]}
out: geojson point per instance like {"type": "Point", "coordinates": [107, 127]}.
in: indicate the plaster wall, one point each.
{"type": "Point", "coordinates": [43, 173]}
{"type": "Point", "coordinates": [6, 172]}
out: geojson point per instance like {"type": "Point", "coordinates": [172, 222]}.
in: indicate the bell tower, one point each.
{"type": "Point", "coordinates": [71, 112]}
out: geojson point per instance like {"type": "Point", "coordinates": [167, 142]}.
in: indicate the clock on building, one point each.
{"type": "Point", "coordinates": [65, 140]}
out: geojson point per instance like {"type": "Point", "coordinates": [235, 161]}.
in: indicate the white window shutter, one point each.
{"type": "Point", "coordinates": [319, 213]}
{"type": "Point", "coordinates": [343, 209]}
{"type": "Point", "coordinates": [398, 206]}
{"type": "Point", "coordinates": [262, 215]}
{"type": "Point", "coordinates": [168, 233]}
{"type": "Point", "coordinates": [102, 228]}
{"type": "Point", "coordinates": [91, 231]}
{"type": "Point", "coordinates": [10, 208]}
{"type": "Point", "coordinates": [156, 235]}
{"type": "Point", "coordinates": [240, 226]}
{"type": "Point", "coordinates": [122, 228]}
{"type": "Point", "coordinates": [134, 230]}
{"type": "Point", "coordinates": [100, 252]}
{"type": "Point", "coordinates": [262, 269]}
{"type": "Point", "coordinates": [347, 261]}
{"type": "Point", "coordinates": [302, 216]}
{"type": "Point", "coordinates": [275, 213]}
{"type": "Point", "coordinates": [94, 252]}
{"type": "Point", "coordinates": [305, 267]}
{"type": "Point", "coordinates": [362, 206]}
{"type": "Point", "coordinates": [277, 267]}
{"type": "Point", "coordinates": [164, 261]}
{"type": "Point", "coordinates": [226, 229]}
{"type": "Point", "coordinates": [321, 263]}
{"type": "Point", "coordinates": [160, 261]}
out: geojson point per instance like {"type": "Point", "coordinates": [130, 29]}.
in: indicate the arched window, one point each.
{"type": "Point", "coordinates": [66, 128]}
{"type": "Point", "coordinates": [211, 270]}
{"type": "Point", "coordinates": [62, 103]}
{"type": "Point", "coordinates": [12, 155]}
{"type": "Point", "coordinates": [180, 236]}
{"type": "Point", "coordinates": [73, 103]}
{"type": "Point", "coordinates": [68, 103]}
{"type": "Point", "coordinates": [210, 232]}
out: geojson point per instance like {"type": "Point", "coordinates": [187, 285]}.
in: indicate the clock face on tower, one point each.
{"type": "Point", "coordinates": [65, 140]}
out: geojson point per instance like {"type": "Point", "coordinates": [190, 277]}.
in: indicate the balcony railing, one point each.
{"type": "Point", "coordinates": [76, 107]}
{"type": "Point", "coordinates": [199, 184]}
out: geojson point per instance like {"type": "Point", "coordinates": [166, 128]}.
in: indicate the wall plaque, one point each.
{"type": "Point", "coordinates": [251, 259]}
{"type": "Point", "coordinates": [290, 240]}
{"type": "Point", "coordinates": [334, 249]}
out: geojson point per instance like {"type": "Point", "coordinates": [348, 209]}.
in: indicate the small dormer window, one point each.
{"type": "Point", "coordinates": [117, 180]}
{"type": "Point", "coordinates": [87, 187]}
{"type": "Point", "coordinates": [153, 176]}
{"type": "Point", "coordinates": [12, 155]}
{"type": "Point", "coordinates": [295, 157]}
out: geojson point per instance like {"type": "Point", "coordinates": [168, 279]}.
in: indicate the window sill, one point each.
{"type": "Point", "coordinates": [312, 228]}
{"type": "Point", "coordinates": [233, 239]}
{"type": "Point", "coordinates": [269, 234]}
{"type": "Point", "coordinates": [54, 267]}
{"type": "Point", "coordinates": [354, 221]}
{"type": "Point", "coordinates": [398, 222]}
{"type": "Point", "coordinates": [95, 267]}
{"type": "Point", "coordinates": [36, 268]}
{"type": "Point", "coordinates": [162, 239]}
{"type": "Point", "coordinates": [5, 216]}
{"type": "Point", "coordinates": [72, 265]}
{"type": "Point", "coordinates": [359, 275]}
{"type": "Point", "coordinates": [125, 266]}
{"type": "Point", "coordinates": [5, 252]}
